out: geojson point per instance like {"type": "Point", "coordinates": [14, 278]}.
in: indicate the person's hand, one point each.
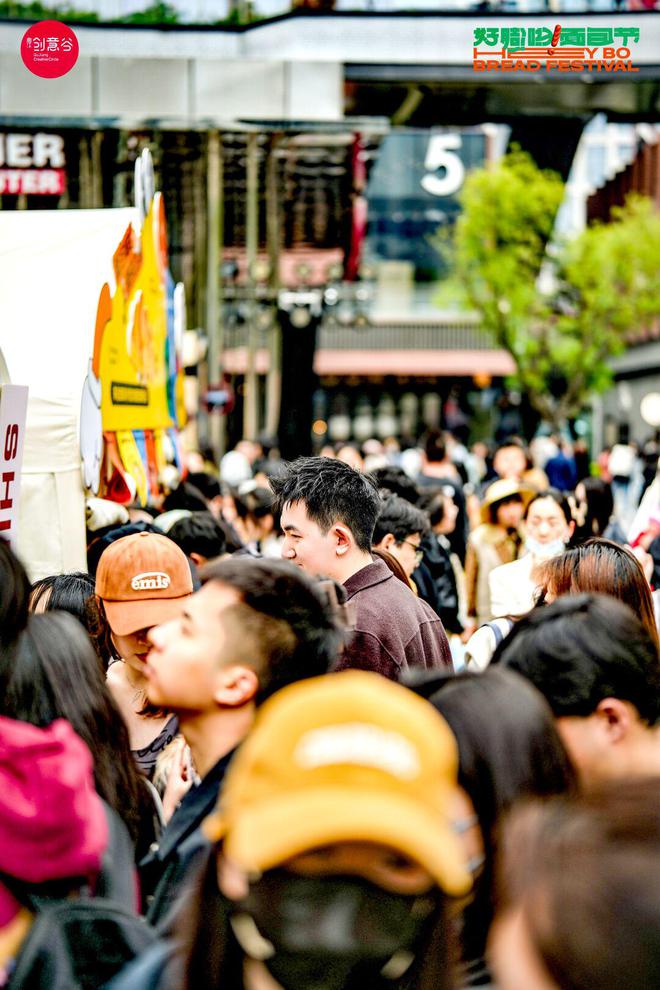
{"type": "Point", "coordinates": [470, 629]}
{"type": "Point", "coordinates": [179, 781]}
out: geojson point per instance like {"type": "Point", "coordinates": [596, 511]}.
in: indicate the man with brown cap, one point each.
{"type": "Point", "coordinates": [141, 580]}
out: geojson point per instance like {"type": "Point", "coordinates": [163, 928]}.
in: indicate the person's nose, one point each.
{"type": "Point", "coordinates": [288, 550]}
{"type": "Point", "coordinates": [154, 636]}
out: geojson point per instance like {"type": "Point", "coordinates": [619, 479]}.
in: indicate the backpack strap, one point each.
{"type": "Point", "coordinates": [500, 628]}
{"type": "Point", "coordinates": [79, 945]}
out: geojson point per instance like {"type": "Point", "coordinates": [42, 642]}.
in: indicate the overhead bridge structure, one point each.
{"type": "Point", "coordinates": [415, 69]}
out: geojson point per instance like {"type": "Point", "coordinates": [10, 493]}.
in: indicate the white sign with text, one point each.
{"type": "Point", "coordinates": [13, 411]}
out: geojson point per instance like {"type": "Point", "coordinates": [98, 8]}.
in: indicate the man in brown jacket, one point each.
{"type": "Point", "coordinates": [329, 513]}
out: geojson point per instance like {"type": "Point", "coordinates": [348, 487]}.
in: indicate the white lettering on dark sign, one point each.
{"type": "Point", "coordinates": [32, 164]}
{"type": "Point", "coordinates": [32, 150]}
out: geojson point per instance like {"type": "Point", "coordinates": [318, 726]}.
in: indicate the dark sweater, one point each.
{"type": "Point", "coordinates": [394, 629]}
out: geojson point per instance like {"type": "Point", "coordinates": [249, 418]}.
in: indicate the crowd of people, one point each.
{"type": "Point", "coordinates": [365, 720]}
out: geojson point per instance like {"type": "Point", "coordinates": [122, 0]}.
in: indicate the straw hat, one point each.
{"type": "Point", "coordinates": [500, 490]}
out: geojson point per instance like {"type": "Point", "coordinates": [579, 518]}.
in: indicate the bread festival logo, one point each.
{"type": "Point", "coordinates": [539, 49]}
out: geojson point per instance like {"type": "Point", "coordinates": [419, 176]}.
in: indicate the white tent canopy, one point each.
{"type": "Point", "coordinates": [53, 264]}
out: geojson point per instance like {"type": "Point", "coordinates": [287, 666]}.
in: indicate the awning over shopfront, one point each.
{"type": "Point", "coordinates": [366, 363]}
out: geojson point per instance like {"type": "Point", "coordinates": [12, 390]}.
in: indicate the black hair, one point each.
{"type": "Point", "coordinates": [556, 496]}
{"type": "Point", "coordinates": [582, 649]}
{"type": "Point", "coordinates": [53, 672]}
{"type": "Point", "coordinates": [255, 503]}
{"type": "Point", "coordinates": [435, 448]}
{"type": "Point", "coordinates": [205, 483]}
{"type": "Point", "coordinates": [509, 749]}
{"type": "Point", "coordinates": [103, 539]}
{"type": "Point", "coordinates": [600, 506]}
{"type": "Point", "coordinates": [14, 595]}
{"type": "Point", "coordinates": [432, 502]}
{"type": "Point", "coordinates": [63, 592]}
{"type": "Point", "coordinates": [199, 533]}
{"type": "Point", "coordinates": [72, 593]}
{"type": "Point", "coordinates": [259, 502]}
{"type": "Point", "coordinates": [331, 492]}
{"type": "Point", "coordinates": [186, 496]}
{"type": "Point", "coordinates": [395, 480]}
{"type": "Point", "coordinates": [400, 518]}
{"type": "Point", "coordinates": [284, 622]}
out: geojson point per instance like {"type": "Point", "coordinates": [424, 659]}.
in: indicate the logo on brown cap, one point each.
{"type": "Point", "coordinates": [151, 581]}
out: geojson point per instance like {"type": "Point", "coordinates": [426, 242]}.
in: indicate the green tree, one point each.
{"type": "Point", "coordinates": [601, 286]}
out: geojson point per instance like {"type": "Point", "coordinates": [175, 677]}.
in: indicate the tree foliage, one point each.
{"type": "Point", "coordinates": [603, 284]}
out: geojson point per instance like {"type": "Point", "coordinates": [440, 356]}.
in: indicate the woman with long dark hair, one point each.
{"type": "Point", "coordinates": [508, 749]}
{"type": "Point", "coordinates": [594, 509]}
{"type": "Point", "coordinates": [73, 593]}
{"type": "Point", "coordinates": [14, 595]}
{"type": "Point", "coordinates": [53, 673]}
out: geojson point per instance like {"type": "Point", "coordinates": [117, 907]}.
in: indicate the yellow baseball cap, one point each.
{"type": "Point", "coordinates": [347, 757]}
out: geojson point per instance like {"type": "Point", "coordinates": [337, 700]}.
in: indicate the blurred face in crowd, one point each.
{"type": "Point", "coordinates": [229, 508]}
{"type": "Point", "coordinates": [384, 867]}
{"type": "Point", "coordinates": [510, 512]}
{"type": "Point", "coordinates": [407, 552]}
{"type": "Point", "coordinates": [546, 525]}
{"type": "Point", "coordinates": [133, 648]}
{"type": "Point", "coordinates": [323, 912]}
{"type": "Point", "coordinates": [605, 744]}
{"type": "Point", "coordinates": [510, 462]}
{"type": "Point", "coordinates": [307, 546]}
{"type": "Point", "coordinates": [450, 515]}
{"type": "Point", "coordinates": [189, 665]}
{"type": "Point", "coordinates": [351, 456]}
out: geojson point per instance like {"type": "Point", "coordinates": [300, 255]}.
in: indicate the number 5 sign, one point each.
{"type": "Point", "coordinates": [441, 155]}
{"type": "Point", "coordinates": [13, 409]}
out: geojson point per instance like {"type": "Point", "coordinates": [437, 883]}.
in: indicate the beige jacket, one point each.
{"type": "Point", "coordinates": [488, 547]}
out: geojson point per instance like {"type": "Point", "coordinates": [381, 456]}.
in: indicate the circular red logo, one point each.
{"type": "Point", "coordinates": [49, 49]}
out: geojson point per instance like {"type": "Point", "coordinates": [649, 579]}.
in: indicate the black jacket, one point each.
{"type": "Point", "coordinates": [172, 860]}
{"type": "Point", "coordinates": [436, 582]}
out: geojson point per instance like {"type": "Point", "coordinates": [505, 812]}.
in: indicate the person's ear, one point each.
{"type": "Point", "coordinates": [236, 686]}
{"type": "Point", "coordinates": [386, 542]}
{"type": "Point", "coordinates": [343, 539]}
{"type": "Point", "coordinates": [198, 559]}
{"type": "Point", "coordinates": [571, 528]}
{"type": "Point", "coordinates": [615, 718]}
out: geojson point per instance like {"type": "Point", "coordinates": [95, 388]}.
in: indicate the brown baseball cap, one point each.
{"type": "Point", "coordinates": [142, 580]}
